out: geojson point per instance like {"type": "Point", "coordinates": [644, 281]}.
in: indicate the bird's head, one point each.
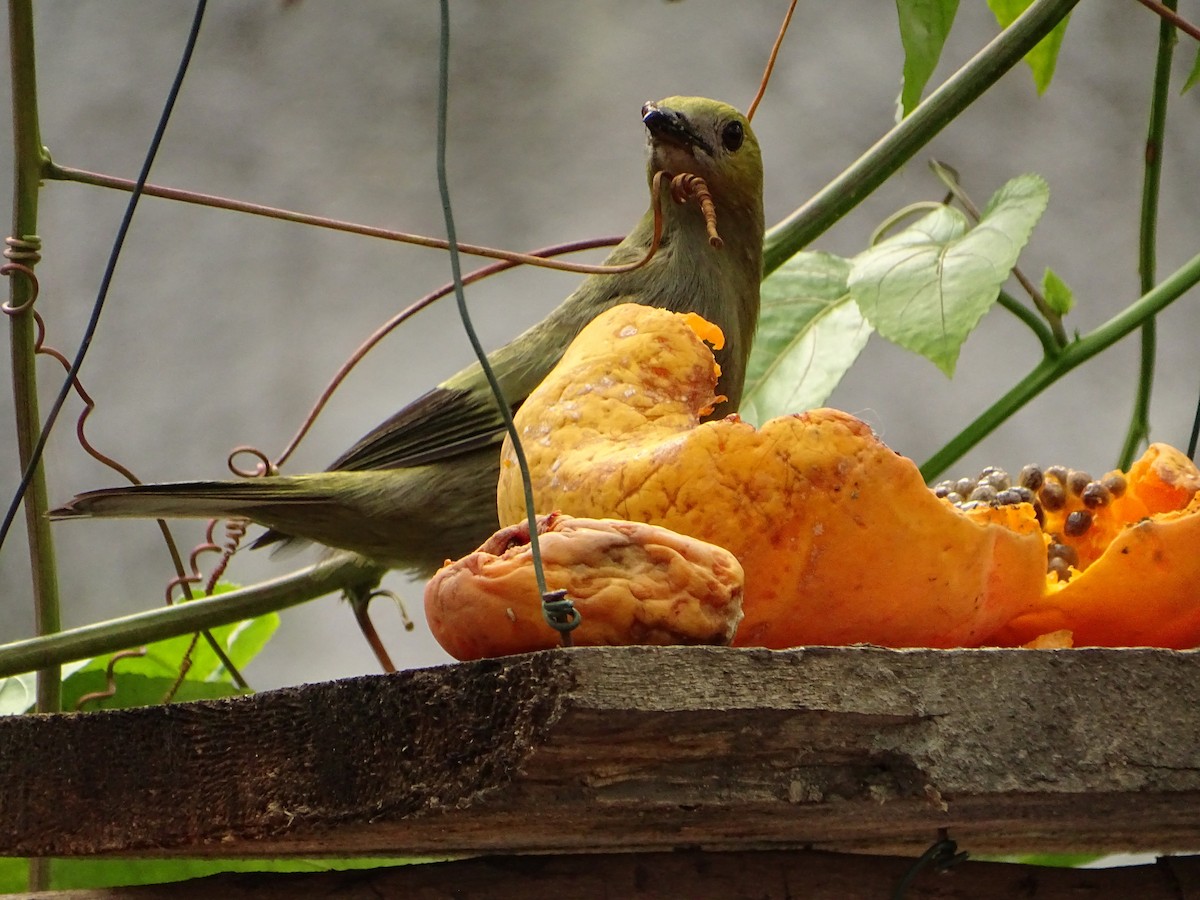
{"type": "Point", "coordinates": [710, 139]}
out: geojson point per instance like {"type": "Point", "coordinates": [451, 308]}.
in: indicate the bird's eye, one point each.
{"type": "Point", "coordinates": [732, 136]}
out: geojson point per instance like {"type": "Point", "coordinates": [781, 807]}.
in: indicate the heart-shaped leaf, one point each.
{"type": "Point", "coordinates": [927, 287]}
{"type": "Point", "coordinates": [809, 334]}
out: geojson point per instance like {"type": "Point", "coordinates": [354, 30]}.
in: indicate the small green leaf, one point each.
{"type": "Point", "coordinates": [145, 680]}
{"type": "Point", "coordinates": [924, 25]}
{"type": "Point", "coordinates": [809, 334]}
{"type": "Point", "coordinates": [241, 642]}
{"type": "Point", "coordinates": [137, 690]}
{"type": "Point", "coordinates": [1194, 77]}
{"type": "Point", "coordinates": [18, 693]}
{"type": "Point", "coordinates": [1051, 860]}
{"type": "Point", "coordinates": [1044, 56]}
{"type": "Point", "coordinates": [93, 874]}
{"type": "Point", "coordinates": [927, 287]}
{"type": "Point", "coordinates": [1058, 296]}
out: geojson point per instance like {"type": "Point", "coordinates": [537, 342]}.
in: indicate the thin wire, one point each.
{"type": "Point", "coordinates": [97, 307]}
{"type": "Point", "coordinates": [96, 179]}
{"type": "Point", "coordinates": [390, 325]}
{"type": "Point", "coordinates": [762, 86]}
{"type": "Point", "coordinates": [1173, 17]}
{"type": "Point", "coordinates": [460, 296]}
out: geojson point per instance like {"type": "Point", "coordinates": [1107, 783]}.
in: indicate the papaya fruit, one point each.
{"type": "Point", "coordinates": [1130, 574]}
{"type": "Point", "coordinates": [840, 539]}
{"type": "Point", "coordinates": [630, 583]}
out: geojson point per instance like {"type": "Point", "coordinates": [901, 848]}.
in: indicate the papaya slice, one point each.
{"type": "Point", "coordinates": [1135, 576]}
{"type": "Point", "coordinates": [839, 537]}
{"type": "Point", "coordinates": [631, 584]}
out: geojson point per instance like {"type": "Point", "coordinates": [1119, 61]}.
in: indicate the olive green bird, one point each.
{"type": "Point", "coordinates": [421, 487]}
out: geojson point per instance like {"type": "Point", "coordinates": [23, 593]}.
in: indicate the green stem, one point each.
{"type": "Point", "coordinates": [1049, 371]}
{"type": "Point", "coordinates": [912, 211]}
{"type": "Point", "coordinates": [342, 572]}
{"type": "Point", "coordinates": [27, 163]}
{"type": "Point", "coordinates": [1050, 344]}
{"type": "Point", "coordinates": [1139, 421]}
{"type": "Point", "coordinates": [27, 157]}
{"type": "Point", "coordinates": [900, 144]}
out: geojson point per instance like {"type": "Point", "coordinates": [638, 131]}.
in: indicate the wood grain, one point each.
{"type": "Point", "coordinates": [643, 749]}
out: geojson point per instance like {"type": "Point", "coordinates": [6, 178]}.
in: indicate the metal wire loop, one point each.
{"type": "Point", "coordinates": [560, 613]}
{"type": "Point", "coordinates": [263, 468]}
{"type": "Point", "coordinates": [942, 855]}
{"type": "Point", "coordinates": [110, 678]}
{"type": "Point", "coordinates": [24, 249]}
{"type": "Point", "coordinates": [7, 269]}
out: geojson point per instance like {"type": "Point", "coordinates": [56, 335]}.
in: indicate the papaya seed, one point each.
{"type": "Point", "coordinates": [1078, 523]}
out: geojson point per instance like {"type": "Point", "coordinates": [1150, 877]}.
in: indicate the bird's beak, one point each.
{"type": "Point", "coordinates": [671, 127]}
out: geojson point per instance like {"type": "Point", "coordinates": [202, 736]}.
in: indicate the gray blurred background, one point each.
{"type": "Point", "coordinates": [221, 329]}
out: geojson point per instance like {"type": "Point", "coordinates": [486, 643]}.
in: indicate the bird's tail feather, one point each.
{"type": "Point", "coordinates": [184, 499]}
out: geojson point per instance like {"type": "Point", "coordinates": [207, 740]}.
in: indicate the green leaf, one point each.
{"type": "Point", "coordinates": [1053, 860]}
{"type": "Point", "coordinates": [809, 334]}
{"type": "Point", "coordinates": [1194, 77]}
{"type": "Point", "coordinates": [18, 694]}
{"type": "Point", "coordinates": [1058, 296]}
{"type": "Point", "coordinates": [146, 679]}
{"type": "Point", "coordinates": [241, 641]}
{"type": "Point", "coordinates": [1042, 58]}
{"type": "Point", "coordinates": [137, 690]}
{"type": "Point", "coordinates": [924, 25]}
{"type": "Point", "coordinates": [927, 287]}
{"type": "Point", "coordinates": [85, 874]}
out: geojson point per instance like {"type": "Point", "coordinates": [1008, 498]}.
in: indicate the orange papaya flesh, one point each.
{"type": "Point", "coordinates": [1162, 480]}
{"type": "Point", "coordinates": [631, 584]}
{"type": "Point", "coordinates": [840, 540]}
{"type": "Point", "coordinates": [1142, 585]}
{"type": "Point", "coordinates": [839, 537]}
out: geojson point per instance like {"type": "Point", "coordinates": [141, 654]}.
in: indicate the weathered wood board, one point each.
{"type": "Point", "coordinates": [643, 749]}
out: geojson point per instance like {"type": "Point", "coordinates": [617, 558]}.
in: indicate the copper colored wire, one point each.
{"type": "Point", "coordinates": [235, 530]}
{"type": "Point", "coordinates": [64, 173]}
{"type": "Point", "coordinates": [27, 250]}
{"type": "Point", "coordinates": [8, 269]}
{"type": "Point", "coordinates": [388, 327]}
{"type": "Point", "coordinates": [110, 678]}
{"type": "Point", "coordinates": [444, 290]}
{"type": "Point", "coordinates": [24, 250]}
{"type": "Point", "coordinates": [263, 467]}
{"type": "Point", "coordinates": [362, 614]}
{"type": "Point", "coordinates": [766, 78]}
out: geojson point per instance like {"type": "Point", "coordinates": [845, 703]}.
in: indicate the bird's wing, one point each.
{"type": "Point", "coordinates": [461, 415]}
{"type": "Point", "coordinates": [440, 424]}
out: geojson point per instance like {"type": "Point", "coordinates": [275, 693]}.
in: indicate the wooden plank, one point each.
{"type": "Point", "coordinates": [644, 749]}
{"type": "Point", "coordinates": [696, 875]}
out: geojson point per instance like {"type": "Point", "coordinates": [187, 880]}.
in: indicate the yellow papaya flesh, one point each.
{"type": "Point", "coordinates": [839, 537]}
